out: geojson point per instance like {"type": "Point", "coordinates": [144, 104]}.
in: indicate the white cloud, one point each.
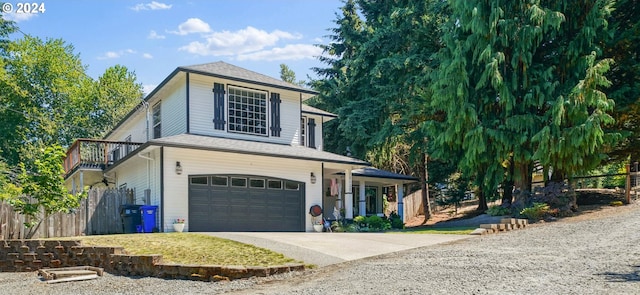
{"type": "Point", "coordinates": [192, 25]}
{"type": "Point", "coordinates": [146, 89]}
{"type": "Point", "coordinates": [153, 5]}
{"type": "Point", "coordinates": [227, 43]}
{"type": "Point", "coordinates": [154, 35]}
{"type": "Point", "coordinates": [110, 55]}
{"type": "Point", "coordinates": [116, 54]}
{"type": "Point", "coordinates": [289, 52]}
{"type": "Point", "coordinates": [19, 17]}
{"type": "Point", "coordinates": [147, 55]}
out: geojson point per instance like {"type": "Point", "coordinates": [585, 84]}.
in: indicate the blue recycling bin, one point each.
{"type": "Point", "coordinates": [148, 218]}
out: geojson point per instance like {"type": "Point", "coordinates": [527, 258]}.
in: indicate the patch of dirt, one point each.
{"type": "Point", "coordinates": [592, 204]}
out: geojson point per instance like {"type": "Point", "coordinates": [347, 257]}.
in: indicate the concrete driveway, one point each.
{"type": "Point", "coordinates": [324, 249]}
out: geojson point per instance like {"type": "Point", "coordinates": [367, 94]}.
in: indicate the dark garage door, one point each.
{"type": "Point", "coordinates": [245, 203]}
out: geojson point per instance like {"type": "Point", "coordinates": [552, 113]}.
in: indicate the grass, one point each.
{"type": "Point", "coordinates": [439, 230]}
{"type": "Point", "coordinates": [190, 248]}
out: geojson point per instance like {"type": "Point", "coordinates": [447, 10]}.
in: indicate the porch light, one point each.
{"type": "Point", "coordinates": [178, 168]}
{"type": "Point", "coordinates": [313, 178]}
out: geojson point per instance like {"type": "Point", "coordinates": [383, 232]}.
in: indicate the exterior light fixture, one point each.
{"type": "Point", "coordinates": [178, 168]}
{"type": "Point", "coordinates": [313, 178]}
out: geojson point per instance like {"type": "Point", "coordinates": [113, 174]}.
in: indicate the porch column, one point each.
{"type": "Point", "coordinates": [400, 196]}
{"type": "Point", "coordinates": [362, 203]}
{"type": "Point", "coordinates": [73, 186]}
{"type": "Point", "coordinates": [348, 194]}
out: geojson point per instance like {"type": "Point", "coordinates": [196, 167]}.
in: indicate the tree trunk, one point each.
{"type": "Point", "coordinates": [482, 201]}
{"type": "Point", "coordinates": [424, 175]}
{"type": "Point", "coordinates": [507, 188]}
{"type": "Point", "coordinates": [522, 184]}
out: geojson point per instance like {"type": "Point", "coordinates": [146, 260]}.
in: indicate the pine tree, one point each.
{"type": "Point", "coordinates": [519, 82]}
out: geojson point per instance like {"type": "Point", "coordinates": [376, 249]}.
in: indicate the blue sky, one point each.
{"type": "Point", "coordinates": [152, 38]}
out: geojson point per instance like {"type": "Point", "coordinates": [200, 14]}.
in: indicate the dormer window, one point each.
{"type": "Point", "coordinates": [247, 111]}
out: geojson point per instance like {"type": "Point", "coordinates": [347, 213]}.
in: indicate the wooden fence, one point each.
{"type": "Point", "coordinates": [99, 213]}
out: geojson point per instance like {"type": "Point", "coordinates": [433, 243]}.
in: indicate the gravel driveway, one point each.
{"type": "Point", "coordinates": [597, 253]}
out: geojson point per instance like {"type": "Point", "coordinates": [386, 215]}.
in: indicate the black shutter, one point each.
{"type": "Point", "coordinates": [311, 132]}
{"type": "Point", "coordinates": [218, 106]}
{"type": "Point", "coordinates": [275, 114]}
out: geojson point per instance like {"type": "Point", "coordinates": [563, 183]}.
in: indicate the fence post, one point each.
{"type": "Point", "coordinates": [627, 190]}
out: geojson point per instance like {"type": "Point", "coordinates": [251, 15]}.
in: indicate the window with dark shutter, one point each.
{"type": "Point", "coordinates": [218, 106]}
{"type": "Point", "coordinates": [275, 115]}
{"type": "Point", "coordinates": [311, 132]}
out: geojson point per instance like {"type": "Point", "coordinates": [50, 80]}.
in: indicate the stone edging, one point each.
{"type": "Point", "coordinates": [506, 224]}
{"type": "Point", "coordinates": [31, 255]}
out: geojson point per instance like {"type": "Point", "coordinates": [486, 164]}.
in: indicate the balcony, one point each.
{"type": "Point", "coordinates": [95, 154]}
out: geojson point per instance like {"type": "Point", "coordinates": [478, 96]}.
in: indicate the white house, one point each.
{"type": "Point", "coordinates": [229, 149]}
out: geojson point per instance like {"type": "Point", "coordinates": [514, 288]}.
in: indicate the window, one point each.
{"type": "Point", "coordinates": [238, 182]}
{"type": "Point", "coordinates": [247, 111]}
{"type": "Point", "coordinates": [128, 147]}
{"type": "Point", "coordinates": [157, 121]}
{"type": "Point", "coordinates": [219, 180]}
{"type": "Point", "coordinates": [274, 184]}
{"type": "Point", "coordinates": [290, 185]}
{"type": "Point", "coordinates": [256, 183]}
{"type": "Point", "coordinates": [201, 180]}
{"type": "Point", "coordinates": [303, 131]}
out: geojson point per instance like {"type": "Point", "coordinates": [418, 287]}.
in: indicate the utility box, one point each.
{"type": "Point", "coordinates": [131, 218]}
{"type": "Point", "coordinates": [148, 218]}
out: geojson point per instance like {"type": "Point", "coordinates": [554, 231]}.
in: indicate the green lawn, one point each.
{"type": "Point", "coordinates": [190, 248]}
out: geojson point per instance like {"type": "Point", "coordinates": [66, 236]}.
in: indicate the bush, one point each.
{"type": "Point", "coordinates": [396, 221]}
{"type": "Point", "coordinates": [537, 212]}
{"type": "Point", "coordinates": [359, 220]}
{"type": "Point", "coordinates": [498, 211]}
{"type": "Point", "coordinates": [376, 223]}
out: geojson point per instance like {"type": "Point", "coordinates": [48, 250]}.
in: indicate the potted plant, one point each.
{"type": "Point", "coordinates": [178, 225]}
{"type": "Point", "coordinates": [317, 225]}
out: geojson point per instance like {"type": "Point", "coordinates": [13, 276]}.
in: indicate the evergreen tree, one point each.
{"type": "Point", "coordinates": [519, 82]}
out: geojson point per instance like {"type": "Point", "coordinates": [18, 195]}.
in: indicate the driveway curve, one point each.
{"type": "Point", "coordinates": [323, 249]}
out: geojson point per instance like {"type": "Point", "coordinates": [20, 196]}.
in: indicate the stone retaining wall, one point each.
{"type": "Point", "coordinates": [30, 255]}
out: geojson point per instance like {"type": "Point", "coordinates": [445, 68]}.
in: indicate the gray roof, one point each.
{"type": "Point", "coordinates": [228, 71]}
{"type": "Point", "coordinates": [378, 173]}
{"type": "Point", "coordinates": [311, 110]}
{"type": "Point", "coordinates": [191, 141]}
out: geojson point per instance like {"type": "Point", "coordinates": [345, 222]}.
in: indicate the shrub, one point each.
{"type": "Point", "coordinates": [536, 212]}
{"type": "Point", "coordinates": [359, 220]}
{"type": "Point", "coordinates": [376, 223]}
{"type": "Point", "coordinates": [498, 211]}
{"type": "Point", "coordinates": [396, 221]}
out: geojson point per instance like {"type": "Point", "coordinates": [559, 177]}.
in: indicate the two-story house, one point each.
{"type": "Point", "coordinates": [229, 149]}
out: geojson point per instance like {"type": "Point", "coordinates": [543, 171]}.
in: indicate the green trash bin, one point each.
{"type": "Point", "coordinates": [131, 218]}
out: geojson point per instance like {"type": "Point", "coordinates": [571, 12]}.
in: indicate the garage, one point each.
{"type": "Point", "coordinates": [245, 203]}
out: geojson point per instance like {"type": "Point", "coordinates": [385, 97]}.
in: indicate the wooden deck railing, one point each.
{"type": "Point", "coordinates": [95, 153]}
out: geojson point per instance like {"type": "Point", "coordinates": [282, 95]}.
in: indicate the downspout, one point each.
{"type": "Point", "coordinates": [162, 189]}
{"type": "Point", "coordinates": [149, 159]}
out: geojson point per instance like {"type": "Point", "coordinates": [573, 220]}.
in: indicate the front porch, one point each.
{"type": "Point", "coordinates": [371, 192]}
{"type": "Point", "coordinates": [87, 159]}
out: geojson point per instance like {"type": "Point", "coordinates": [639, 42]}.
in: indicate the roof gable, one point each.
{"type": "Point", "coordinates": [228, 71]}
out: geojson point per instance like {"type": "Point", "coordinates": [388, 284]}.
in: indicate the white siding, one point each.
{"type": "Point", "coordinates": [140, 174]}
{"type": "Point", "coordinates": [201, 110]}
{"type": "Point", "coordinates": [136, 126]}
{"type": "Point", "coordinates": [176, 187]}
{"type": "Point", "coordinates": [174, 112]}
{"type": "Point", "coordinates": [317, 131]}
